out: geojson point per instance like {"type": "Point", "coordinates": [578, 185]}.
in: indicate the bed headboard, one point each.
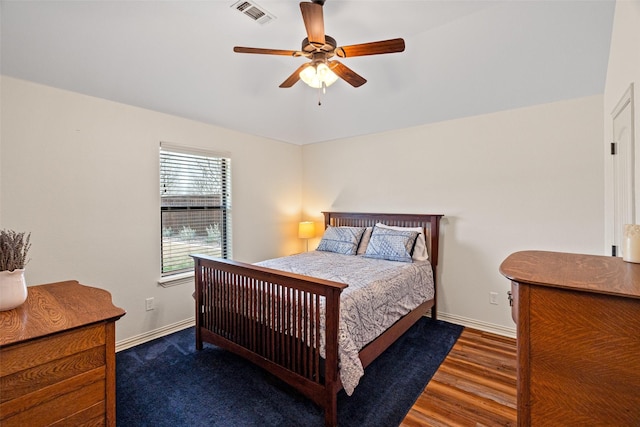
{"type": "Point", "coordinates": [430, 224]}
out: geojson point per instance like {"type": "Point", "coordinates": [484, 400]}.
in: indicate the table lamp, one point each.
{"type": "Point", "coordinates": [306, 231]}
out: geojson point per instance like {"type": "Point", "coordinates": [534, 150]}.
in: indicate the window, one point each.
{"type": "Point", "coordinates": [195, 206]}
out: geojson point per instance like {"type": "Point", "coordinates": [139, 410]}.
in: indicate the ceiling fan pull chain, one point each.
{"type": "Point", "coordinates": [320, 95]}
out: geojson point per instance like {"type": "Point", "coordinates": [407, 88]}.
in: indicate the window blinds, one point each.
{"type": "Point", "coordinates": [195, 206]}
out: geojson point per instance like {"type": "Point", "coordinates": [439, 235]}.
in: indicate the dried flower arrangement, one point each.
{"type": "Point", "coordinates": [13, 249]}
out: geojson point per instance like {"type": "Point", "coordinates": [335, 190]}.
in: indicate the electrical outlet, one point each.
{"type": "Point", "coordinates": [493, 298]}
{"type": "Point", "coordinates": [149, 305]}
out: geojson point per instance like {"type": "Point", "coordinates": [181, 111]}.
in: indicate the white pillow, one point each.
{"type": "Point", "coordinates": [364, 242]}
{"type": "Point", "coordinates": [420, 250]}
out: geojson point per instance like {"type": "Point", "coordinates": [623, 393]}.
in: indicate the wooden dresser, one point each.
{"type": "Point", "coordinates": [578, 328]}
{"type": "Point", "coordinates": [57, 358]}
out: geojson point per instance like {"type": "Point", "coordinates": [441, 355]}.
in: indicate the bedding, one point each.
{"type": "Point", "coordinates": [369, 305]}
{"type": "Point", "coordinates": [392, 245]}
{"type": "Point", "coordinates": [342, 240]}
{"type": "Point", "coordinates": [364, 242]}
{"type": "Point", "coordinates": [420, 250]}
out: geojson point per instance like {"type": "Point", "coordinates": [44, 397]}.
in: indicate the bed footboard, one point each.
{"type": "Point", "coordinates": [277, 320]}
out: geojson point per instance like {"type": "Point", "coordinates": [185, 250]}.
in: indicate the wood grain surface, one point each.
{"type": "Point", "coordinates": [578, 322]}
{"type": "Point", "coordinates": [588, 273]}
{"type": "Point", "coordinates": [474, 386]}
{"type": "Point", "coordinates": [54, 308]}
{"type": "Point", "coordinates": [57, 358]}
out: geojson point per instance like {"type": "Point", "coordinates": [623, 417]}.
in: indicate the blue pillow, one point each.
{"type": "Point", "coordinates": [341, 240]}
{"type": "Point", "coordinates": [392, 245]}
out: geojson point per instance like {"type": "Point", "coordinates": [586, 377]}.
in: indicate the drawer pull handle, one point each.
{"type": "Point", "coordinates": [510, 297]}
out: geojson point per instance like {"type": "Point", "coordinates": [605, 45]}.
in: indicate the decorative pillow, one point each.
{"type": "Point", "coordinates": [341, 240]}
{"type": "Point", "coordinates": [392, 245]}
{"type": "Point", "coordinates": [362, 247]}
{"type": "Point", "coordinates": [420, 252]}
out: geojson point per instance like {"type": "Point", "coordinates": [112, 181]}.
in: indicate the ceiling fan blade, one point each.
{"type": "Point", "coordinates": [239, 49]}
{"type": "Point", "coordinates": [373, 48]}
{"type": "Point", "coordinates": [314, 22]}
{"type": "Point", "coordinates": [347, 74]}
{"type": "Point", "coordinates": [293, 78]}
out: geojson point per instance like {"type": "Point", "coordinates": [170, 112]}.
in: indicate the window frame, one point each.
{"type": "Point", "coordinates": [189, 194]}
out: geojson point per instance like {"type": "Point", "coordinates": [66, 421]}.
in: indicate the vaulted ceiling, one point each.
{"type": "Point", "coordinates": [462, 58]}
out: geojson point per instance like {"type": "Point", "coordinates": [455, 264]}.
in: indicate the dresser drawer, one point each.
{"type": "Point", "coordinates": [59, 403]}
{"type": "Point", "coordinates": [46, 380]}
{"type": "Point", "coordinates": [30, 354]}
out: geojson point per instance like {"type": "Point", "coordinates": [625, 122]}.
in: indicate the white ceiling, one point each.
{"type": "Point", "coordinates": [462, 58]}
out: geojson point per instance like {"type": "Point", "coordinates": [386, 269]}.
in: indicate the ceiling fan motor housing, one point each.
{"type": "Point", "coordinates": [328, 46]}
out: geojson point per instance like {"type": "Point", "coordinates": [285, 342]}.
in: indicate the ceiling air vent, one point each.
{"type": "Point", "coordinates": [253, 11]}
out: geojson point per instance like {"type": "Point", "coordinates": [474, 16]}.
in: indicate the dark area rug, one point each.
{"type": "Point", "coordinates": [167, 382]}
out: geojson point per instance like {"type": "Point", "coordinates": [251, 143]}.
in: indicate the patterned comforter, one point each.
{"type": "Point", "coordinates": [380, 292]}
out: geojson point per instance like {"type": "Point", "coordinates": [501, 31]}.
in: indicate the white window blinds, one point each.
{"type": "Point", "coordinates": [195, 206]}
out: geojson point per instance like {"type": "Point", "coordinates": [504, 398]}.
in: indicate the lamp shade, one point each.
{"type": "Point", "coordinates": [318, 74]}
{"type": "Point", "coordinates": [306, 230]}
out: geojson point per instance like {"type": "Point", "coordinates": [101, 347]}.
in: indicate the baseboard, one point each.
{"type": "Point", "coordinates": [187, 323]}
{"type": "Point", "coordinates": [156, 333]}
{"type": "Point", "coordinates": [477, 324]}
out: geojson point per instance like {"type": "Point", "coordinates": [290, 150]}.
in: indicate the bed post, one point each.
{"type": "Point", "coordinates": [332, 374]}
{"type": "Point", "coordinates": [327, 219]}
{"type": "Point", "coordinates": [435, 242]}
{"type": "Point", "coordinates": [198, 300]}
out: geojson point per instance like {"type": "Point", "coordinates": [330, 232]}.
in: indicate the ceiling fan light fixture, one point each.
{"type": "Point", "coordinates": [318, 75]}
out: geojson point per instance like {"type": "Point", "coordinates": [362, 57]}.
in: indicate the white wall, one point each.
{"type": "Point", "coordinates": [530, 178]}
{"type": "Point", "coordinates": [81, 174]}
{"type": "Point", "coordinates": [623, 70]}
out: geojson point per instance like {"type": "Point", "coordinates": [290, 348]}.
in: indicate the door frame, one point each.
{"type": "Point", "coordinates": [623, 173]}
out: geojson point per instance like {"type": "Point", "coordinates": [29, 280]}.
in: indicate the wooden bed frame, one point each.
{"type": "Point", "coordinates": [269, 316]}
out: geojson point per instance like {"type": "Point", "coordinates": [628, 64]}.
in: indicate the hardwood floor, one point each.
{"type": "Point", "coordinates": [474, 386]}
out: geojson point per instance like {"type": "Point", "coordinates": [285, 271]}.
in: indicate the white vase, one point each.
{"type": "Point", "coordinates": [13, 289]}
{"type": "Point", "coordinates": [631, 243]}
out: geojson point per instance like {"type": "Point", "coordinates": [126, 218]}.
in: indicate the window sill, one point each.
{"type": "Point", "coordinates": [176, 279]}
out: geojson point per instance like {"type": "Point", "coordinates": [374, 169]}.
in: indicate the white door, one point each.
{"type": "Point", "coordinates": [623, 160]}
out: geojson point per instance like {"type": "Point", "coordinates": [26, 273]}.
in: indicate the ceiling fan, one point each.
{"type": "Point", "coordinates": [322, 71]}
